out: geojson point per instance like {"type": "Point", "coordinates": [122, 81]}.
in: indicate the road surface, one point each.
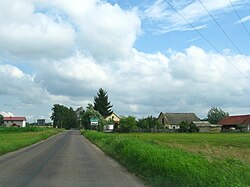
{"type": "Point", "coordinates": [67, 159]}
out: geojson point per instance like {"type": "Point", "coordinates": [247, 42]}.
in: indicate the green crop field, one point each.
{"type": "Point", "coordinates": [176, 159]}
{"type": "Point", "coordinates": [12, 139]}
{"type": "Point", "coordinates": [221, 145]}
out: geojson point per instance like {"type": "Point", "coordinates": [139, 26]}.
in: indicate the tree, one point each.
{"type": "Point", "coordinates": [184, 126]}
{"type": "Point", "coordinates": [79, 113]}
{"type": "Point", "coordinates": [101, 103]}
{"type": "Point", "coordinates": [63, 117]}
{"type": "Point", "coordinates": [1, 119]}
{"type": "Point", "coordinates": [127, 124]}
{"type": "Point", "coordinates": [92, 113]}
{"type": "Point", "coordinates": [215, 114]}
{"type": "Point", "coordinates": [188, 127]}
{"type": "Point", "coordinates": [149, 123]}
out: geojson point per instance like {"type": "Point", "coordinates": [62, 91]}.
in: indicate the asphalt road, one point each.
{"type": "Point", "coordinates": [67, 159]}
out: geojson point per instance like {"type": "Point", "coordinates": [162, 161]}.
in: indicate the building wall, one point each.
{"type": "Point", "coordinates": [18, 123]}
{"type": "Point", "coordinates": [204, 129]}
{"type": "Point", "coordinates": [162, 120]}
{"type": "Point", "coordinates": [113, 117]}
{"type": "Point", "coordinates": [173, 126]}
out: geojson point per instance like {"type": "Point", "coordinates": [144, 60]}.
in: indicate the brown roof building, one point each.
{"type": "Point", "coordinates": [172, 120]}
{"type": "Point", "coordinates": [233, 121]}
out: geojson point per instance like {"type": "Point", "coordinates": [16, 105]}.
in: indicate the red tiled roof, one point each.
{"type": "Point", "coordinates": [236, 120]}
{"type": "Point", "coordinates": [14, 119]}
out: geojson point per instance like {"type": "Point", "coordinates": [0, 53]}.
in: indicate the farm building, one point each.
{"type": "Point", "coordinates": [205, 126]}
{"type": "Point", "coordinates": [14, 121]}
{"type": "Point", "coordinates": [232, 122]}
{"type": "Point", "coordinates": [172, 120]}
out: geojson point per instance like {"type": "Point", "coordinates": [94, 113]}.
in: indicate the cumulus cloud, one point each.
{"type": "Point", "coordinates": [27, 33]}
{"type": "Point", "coordinates": [104, 30]}
{"type": "Point", "coordinates": [74, 48]}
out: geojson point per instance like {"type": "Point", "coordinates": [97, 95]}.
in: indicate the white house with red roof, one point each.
{"type": "Point", "coordinates": [14, 121]}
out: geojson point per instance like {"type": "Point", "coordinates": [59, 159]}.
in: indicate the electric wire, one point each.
{"type": "Point", "coordinates": [242, 23]}
{"type": "Point", "coordinates": [226, 58]}
{"type": "Point", "coordinates": [232, 42]}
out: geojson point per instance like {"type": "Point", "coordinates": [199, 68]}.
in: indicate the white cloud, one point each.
{"type": "Point", "coordinates": [26, 33]}
{"type": "Point", "coordinates": [74, 48]}
{"type": "Point", "coordinates": [170, 20]}
{"type": "Point", "coordinates": [245, 19]}
{"type": "Point", "coordinates": [6, 114]}
{"type": "Point", "coordinates": [101, 27]}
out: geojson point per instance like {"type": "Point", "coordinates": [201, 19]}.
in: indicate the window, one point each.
{"type": "Point", "coordinates": [162, 120]}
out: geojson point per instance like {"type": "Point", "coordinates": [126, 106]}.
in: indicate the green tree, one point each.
{"type": "Point", "coordinates": [101, 103]}
{"type": "Point", "coordinates": [63, 117]}
{"type": "Point", "coordinates": [215, 114]}
{"type": "Point", "coordinates": [193, 128]}
{"type": "Point", "coordinates": [149, 123]}
{"type": "Point", "coordinates": [1, 119]}
{"type": "Point", "coordinates": [184, 126]}
{"type": "Point", "coordinates": [79, 113]}
{"type": "Point", "coordinates": [92, 113]}
{"type": "Point", "coordinates": [127, 124]}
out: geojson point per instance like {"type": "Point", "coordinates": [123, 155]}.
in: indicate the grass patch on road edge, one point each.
{"type": "Point", "coordinates": [165, 166]}
{"type": "Point", "coordinates": [11, 140]}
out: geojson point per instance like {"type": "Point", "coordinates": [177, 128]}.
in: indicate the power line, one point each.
{"type": "Point", "coordinates": [232, 42]}
{"type": "Point", "coordinates": [207, 40]}
{"type": "Point", "coordinates": [239, 18]}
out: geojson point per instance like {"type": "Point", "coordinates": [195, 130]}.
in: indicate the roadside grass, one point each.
{"type": "Point", "coordinates": [12, 139]}
{"type": "Point", "coordinates": [25, 129]}
{"type": "Point", "coordinates": [162, 165]}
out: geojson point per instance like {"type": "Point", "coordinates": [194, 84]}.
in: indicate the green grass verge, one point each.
{"type": "Point", "coordinates": [12, 139]}
{"type": "Point", "coordinates": [167, 166]}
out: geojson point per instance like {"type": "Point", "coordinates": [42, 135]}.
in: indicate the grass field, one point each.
{"type": "Point", "coordinates": [12, 139]}
{"type": "Point", "coordinates": [221, 145]}
{"type": "Point", "coordinates": [166, 159]}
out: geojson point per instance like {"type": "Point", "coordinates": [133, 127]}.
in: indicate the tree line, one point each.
{"type": "Point", "coordinates": [64, 117]}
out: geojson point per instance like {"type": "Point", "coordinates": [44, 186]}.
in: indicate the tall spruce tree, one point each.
{"type": "Point", "coordinates": [101, 103]}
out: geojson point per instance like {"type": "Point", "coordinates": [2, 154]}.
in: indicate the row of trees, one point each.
{"type": "Point", "coordinates": [130, 124]}
{"type": "Point", "coordinates": [64, 117]}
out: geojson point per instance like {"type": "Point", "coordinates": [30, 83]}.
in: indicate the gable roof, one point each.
{"type": "Point", "coordinates": [202, 123]}
{"type": "Point", "coordinates": [113, 113]}
{"type": "Point", "coordinates": [236, 120]}
{"type": "Point", "coordinates": [14, 119]}
{"type": "Point", "coordinates": [177, 118]}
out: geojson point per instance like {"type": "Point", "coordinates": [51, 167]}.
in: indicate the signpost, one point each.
{"type": "Point", "coordinates": [94, 122]}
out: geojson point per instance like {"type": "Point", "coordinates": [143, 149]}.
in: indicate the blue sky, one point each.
{"type": "Point", "coordinates": [147, 57]}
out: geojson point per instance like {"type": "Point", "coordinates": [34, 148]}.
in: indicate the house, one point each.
{"type": "Point", "coordinates": [115, 119]}
{"type": "Point", "coordinates": [172, 120]}
{"type": "Point", "coordinates": [14, 121]}
{"type": "Point", "coordinates": [233, 122]}
{"type": "Point", "coordinates": [205, 126]}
